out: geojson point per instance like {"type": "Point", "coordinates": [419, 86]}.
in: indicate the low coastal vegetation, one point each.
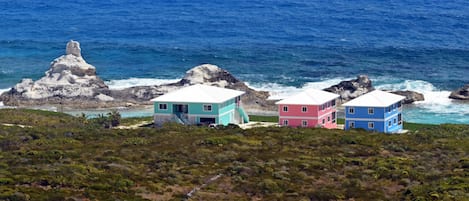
{"type": "Point", "coordinates": [54, 156]}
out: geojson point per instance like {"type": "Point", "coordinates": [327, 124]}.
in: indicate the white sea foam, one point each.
{"type": "Point", "coordinates": [1, 91]}
{"type": "Point", "coordinates": [132, 82]}
{"type": "Point", "coordinates": [279, 91]}
{"type": "Point", "coordinates": [436, 101]}
{"type": "Point", "coordinates": [4, 90]}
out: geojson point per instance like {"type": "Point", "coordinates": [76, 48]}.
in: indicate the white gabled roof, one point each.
{"type": "Point", "coordinates": [376, 98]}
{"type": "Point", "coordinates": [309, 97]}
{"type": "Point", "coordinates": [199, 94]}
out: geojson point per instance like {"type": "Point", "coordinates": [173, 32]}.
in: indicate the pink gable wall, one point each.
{"type": "Point", "coordinates": [296, 116]}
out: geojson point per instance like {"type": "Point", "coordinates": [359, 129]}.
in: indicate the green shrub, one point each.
{"type": "Point", "coordinates": [136, 141]}
{"type": "Point", "coordinates": [6, 181]}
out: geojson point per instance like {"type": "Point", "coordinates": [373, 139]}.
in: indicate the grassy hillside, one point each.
{"type": "Point", "coordinates": [62, 157]}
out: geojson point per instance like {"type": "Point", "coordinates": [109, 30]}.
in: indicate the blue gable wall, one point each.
{"type": "Point", "coordinates": [362, 112]}
{"type": "Point", "coordinates": [381, 118]}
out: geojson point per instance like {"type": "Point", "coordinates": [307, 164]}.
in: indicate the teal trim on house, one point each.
{"type": "Point", "coordinates": [168, 109]}
{"type": "Point", "coordinates": [226, 118]}
{"type": "Point", "coordinates": [198, 108]}
{"type": "Point", "coordinates": [227, 106]}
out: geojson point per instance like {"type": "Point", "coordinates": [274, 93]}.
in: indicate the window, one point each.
{"type": "Point", "coordinates": [333, 103]}
{"type": "Point", "coordinates": [351, 110]}
{"type": "Point", "coordinates": [163, 106]}
{"type": "Point", "coordinates": [395, 121]}
{"type": "Point", "coordinates": [389, 123]}
{"type": "Point", "coordinates": [322, 107]}
{"type": "Point", "coordinates": [323, 121]}
{"type": "Point", "coordinates": [285, 108]}
{"type": "Point", "coordinates": [351, 124]}
{"type": "Point", "coordinates": [371, 110]}
{"type": "Point", "coordinates": [328, 119]}
{"type": "Point", "coordinates": [371, 125]}
{"type": "Point", "coordinates": [333, 117]}
{"type": "Point", "coordinates": [304, 109]}
{"type": "Point", "coordinates": [399, 104]}
{"type": "Point", "coordinates": [328, 104]}
{"type": "Point", "coordinates": [285, 122]}
{"type": "Point", "coordinates": [207, 107]}
{"type": "Point", "coordinates": [399, 118]}
{"type": "Point", "coordinates": [304, 123]}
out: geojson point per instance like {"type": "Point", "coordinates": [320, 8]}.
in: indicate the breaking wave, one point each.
{"type": "Point", "coordinates": [132, 82]}
{"type": "Point", "coordinates": [279, 91]}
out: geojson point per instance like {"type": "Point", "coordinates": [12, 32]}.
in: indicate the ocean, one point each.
{"type": "Point", "coordinates": [279, 46]}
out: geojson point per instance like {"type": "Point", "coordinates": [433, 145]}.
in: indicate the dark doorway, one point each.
{"type": "Point", "coordinates": [207, 120]}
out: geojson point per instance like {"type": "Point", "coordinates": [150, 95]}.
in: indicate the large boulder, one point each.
{"type": "Point", "coordinates": [69, 80]}
{"type": "Point", "coordinates": [351, 89]}
{"type": "Point", "coordinates": [461, 93]}
{"type": "Point", "coordinates": [213, 75]}
{"type": "Point", "coordinates": [208, 73]}
{"type": "Point", "coordinates": [410, 96]}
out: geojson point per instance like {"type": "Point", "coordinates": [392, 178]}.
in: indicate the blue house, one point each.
{"type": "Point", "coordinates": [375, 111]}
{"type": "Point", "coordinates": [200, 104]}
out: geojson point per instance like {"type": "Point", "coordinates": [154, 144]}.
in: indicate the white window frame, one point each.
{"type": "Point", "coordinates": [371, 125]}
{"type": "Point", "coordinates": [285, 122]}
{"type": "Point", "coordinates": [351, 124]}
{"type": "Point", "coordinates": [285, 108]}
{"type": "Point", "coordinates": [371, 110]}
{"type": "Point", "coordinates": [207, 107]}
{"type": "Point", "coordinates": [304, 109]}
{"type": "Point", "coordinates": [304, 123]}
{"type": "Point", "coordinates": [163, 104]}
{"type": "Point", "coordinates": [351, 110]}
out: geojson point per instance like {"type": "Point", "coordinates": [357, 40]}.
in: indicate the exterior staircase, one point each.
{"type": "Point", "coordinates": [181, 118]}
{"type": "Point", "coordinates": [243, 114]}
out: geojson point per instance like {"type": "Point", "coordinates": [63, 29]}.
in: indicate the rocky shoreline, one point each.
{"type": "Point", "coordinates": [73, 83]}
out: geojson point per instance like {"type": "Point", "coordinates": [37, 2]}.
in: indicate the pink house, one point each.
{"type": "Point", "coordinates": [310, 108]}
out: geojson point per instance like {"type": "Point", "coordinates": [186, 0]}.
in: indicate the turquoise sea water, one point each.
{"type": "Point", "coordinates": [279, 46]}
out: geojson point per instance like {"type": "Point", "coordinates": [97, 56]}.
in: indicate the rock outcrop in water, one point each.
{"type": "Point", "coordinates": [208, 73]}
{"type": "Point", "coordinates": [204, 74]}
{"type": "Point", "coordinates": [351, 89]}
{"type": "Point", "coordinates": [72, 82]}
{"type": "Point", "coordinates": [216, 76]}
{"type": "Point", "coordinates": [461, 93]}
{"type": "Point", "coordinates": [69, 80]}
{"type": "Point", "coordinates": [410, 96]}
